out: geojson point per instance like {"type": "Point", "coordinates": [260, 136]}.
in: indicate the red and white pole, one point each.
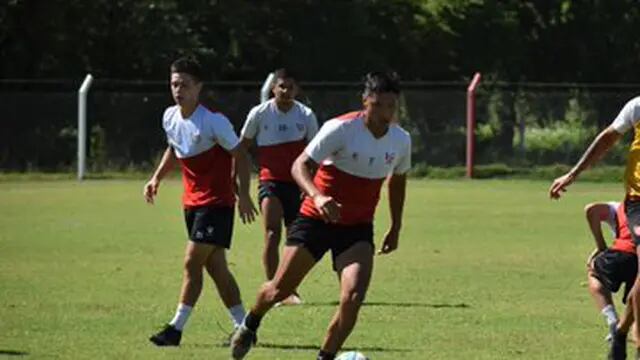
{"type": "Point", "coordinates": [471, 123]}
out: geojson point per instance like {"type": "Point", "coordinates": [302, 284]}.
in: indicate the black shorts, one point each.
{"type": "Point", "coordinates": [287, 192]}
{"type": "Point", "coordinates": [319, 237]}
{"type": "Point", "coordinates": [632, 210]}
{"type": "Point", "coordinates": [210, 225]}
{"type": "Point", "coordinates": [613, 268]}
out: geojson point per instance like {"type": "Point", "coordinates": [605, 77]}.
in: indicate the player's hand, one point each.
{"type": "Point", "coordinates": [329, 208]}
{"type": "Point", "coordinates": [390, 242]}
{"type": "Point", "coordinates": [246, 209]}
{"type": "Point", "coordinates": [151, 190]}
{"type": "Point", "coordinates": [560, 184]}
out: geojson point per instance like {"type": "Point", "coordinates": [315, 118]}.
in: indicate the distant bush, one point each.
{"type": "Point", "coordinates": [493, 171]}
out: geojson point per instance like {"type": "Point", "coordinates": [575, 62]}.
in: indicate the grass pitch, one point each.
{"type": "Point", "coordinates": [485, 270]}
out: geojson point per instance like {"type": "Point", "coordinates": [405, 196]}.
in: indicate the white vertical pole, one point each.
{"type": "Point", "coordinates": [266, 87]}
{"type": "Point", "coordinates": [82, 125]}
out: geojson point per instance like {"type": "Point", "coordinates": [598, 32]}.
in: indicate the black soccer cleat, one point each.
{"type": "Point", "coordinates": [242, 341]}
{"type": "Point", "coordinates": [168, 336]}
{"type": "Point", "coordinates": [618, 350]}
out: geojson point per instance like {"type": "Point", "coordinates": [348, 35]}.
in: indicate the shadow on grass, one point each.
{"type": "Point", "coordinates": [13, 352]}
{"type": "Point", "coordinates": [316, 347]}
{"type": "Point", "coordinates": [396, 304]}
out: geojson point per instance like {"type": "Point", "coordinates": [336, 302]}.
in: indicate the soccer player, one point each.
{"type": "Point", "coordinates": [206, 147]}
{"type": "Point", "coordinates": [281, 127]}
{"type": "Point", "coordinates": [629, 117]}
{"type": "Point", "coordinates": [353, 154]}
{"type": "Point", "coordinates": [608, 268]}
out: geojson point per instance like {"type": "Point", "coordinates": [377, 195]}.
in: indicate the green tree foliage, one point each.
{"type": "Point", "coordinates": [513, 40]}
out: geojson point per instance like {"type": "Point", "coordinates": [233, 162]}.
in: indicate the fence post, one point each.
{"type": "Point", "coordinates": [471, 123]}
{"type": "Point", "coordinates": [266, 87]}
{"type": "Point", "coordinates": [82, 125]}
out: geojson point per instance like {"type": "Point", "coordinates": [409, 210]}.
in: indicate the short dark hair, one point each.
{"type": "Point", "coordinates": [284, 73]}
{"type": "Point", "coordinates": [188, 65]}
{"type": "Point", "coordinates": [381, 82]}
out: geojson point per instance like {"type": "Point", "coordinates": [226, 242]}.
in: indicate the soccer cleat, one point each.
{"type": "Point", "coordinates": [168, 336]}
{"type": "Point", "coordinates": [241, 341]}
{"type": "Point", "coordinates": [618, 350]}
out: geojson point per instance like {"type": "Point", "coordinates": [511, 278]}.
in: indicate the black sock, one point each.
{"type": "Point", "coordinates": [252, 321]}
{"type": "Point", "coordinates": [324, 355]}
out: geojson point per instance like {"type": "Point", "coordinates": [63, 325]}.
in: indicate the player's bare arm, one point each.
{"type": "Point", "coordinates": [602, 143]}
{"type": "Point", "coordinates": [596, 213]}
{"type": "Point", "coordinates": [167, 163]}
{"type": "Point", "coordinates": [302, 171]}
{"type": "Point", "coordinates": [397, 189]}
{"type": "Point", "coordinates": [242, 171]}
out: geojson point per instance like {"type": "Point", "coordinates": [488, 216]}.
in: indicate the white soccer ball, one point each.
{"type": "Point", "coordinates": [352, 355]}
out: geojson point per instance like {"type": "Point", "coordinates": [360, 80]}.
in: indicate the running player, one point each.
{"type": "Point", "coordinates": [628, 118]}
{"type": "Point", "coordinates": [609, 268]}
{"type": "Point", "coordinates": [353, 155]}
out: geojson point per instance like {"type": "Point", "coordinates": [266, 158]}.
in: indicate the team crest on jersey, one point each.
{"type": "Point", "coordinates": [300, 126]}
{"type": "Point", "coordinates": [371, 160]}
{"type": "Point", "coordinates": [266, 127]}
{"type": "Point", "coordinates": [196, 138]}
{"type": "Point", "coordinates": [389, 157]}
{"type": "Point", "coordinates": [354, 156]}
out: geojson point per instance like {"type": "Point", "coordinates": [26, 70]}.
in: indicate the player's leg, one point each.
{"type": "Point", "coordinates": [304, 248]}
{"type": "Point", "coordinates": [628, 271]}
{"type": "Point", "coordinates": [619, 343]}
{"type": "Point", "coordinates": [196, 255]}
{"type": "Point", "coordinates": [290, 199]}
{"type": "Point", "coordinates": [354, 266]}
{"type": "Point", "coordinates": [602, 278]}
{"type": "Point", "coordinates": [272, 213]}
{"type": "Point", "coordinates": [219, 226]}
{"type": "Point", "coordinates": [226, 285]}
{"type": "Point", "coordinates": [296, 263]}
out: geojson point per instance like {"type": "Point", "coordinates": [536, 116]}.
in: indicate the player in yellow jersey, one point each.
{"type": "Point", "coordinates": [628, 118]}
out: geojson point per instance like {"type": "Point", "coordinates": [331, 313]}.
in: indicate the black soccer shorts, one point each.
{"type": "Point", "coordinates": [318, 237]}
{"type": "Point", "coordinates": [287, 192]}
{"type": "Point", "coordinates": [210, 225]}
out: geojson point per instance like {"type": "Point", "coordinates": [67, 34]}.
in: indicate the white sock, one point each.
{"type": "Point", "coordinates": [609, 312]}
{"type": "Point", "coordinates": [182, 315]}
{"type": "Point", "coordinates": [237, 314]}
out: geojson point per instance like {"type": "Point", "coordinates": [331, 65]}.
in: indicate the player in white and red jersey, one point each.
{"type": "Point", "coordinates": [281, 128]}
{"type": "Point", "coordinates": [610, 267]}
{"type": "Point", "coordinates": [353, 154]}
{"type": "Point", "coordinates": [206, 147]}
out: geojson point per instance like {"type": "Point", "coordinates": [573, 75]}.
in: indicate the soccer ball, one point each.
{"type": "Point", "coordinates": [352, 355]}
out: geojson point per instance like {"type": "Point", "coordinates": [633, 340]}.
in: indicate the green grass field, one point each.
{"type": "Point", "coordinates": [485, 270]}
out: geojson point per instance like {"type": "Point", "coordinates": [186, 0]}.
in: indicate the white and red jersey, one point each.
{"type": "Point", "coordinates": [201, 143]}
{"type": "Point", "coordinates": [280, 136]}
{"type": "Point", "coordinates": [617, 221]}
{"type": "Point", "coordinates": [354, 164]}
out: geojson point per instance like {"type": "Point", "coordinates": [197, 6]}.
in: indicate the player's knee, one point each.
{"type": "Point", "coordinates": [352, 299]}
{"type": "Point", "coordinates": [273, 235]}
{"type": "Point", "coordinates": [192, 265]}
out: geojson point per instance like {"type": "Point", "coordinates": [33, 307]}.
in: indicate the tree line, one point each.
{"type": "Point", "coordinates": [432, 40]}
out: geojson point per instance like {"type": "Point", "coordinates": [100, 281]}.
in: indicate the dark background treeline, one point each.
{"type": "Point", "coordinates": [510, 40]}
{"type": "Point", "coordinates": [589, 50]}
